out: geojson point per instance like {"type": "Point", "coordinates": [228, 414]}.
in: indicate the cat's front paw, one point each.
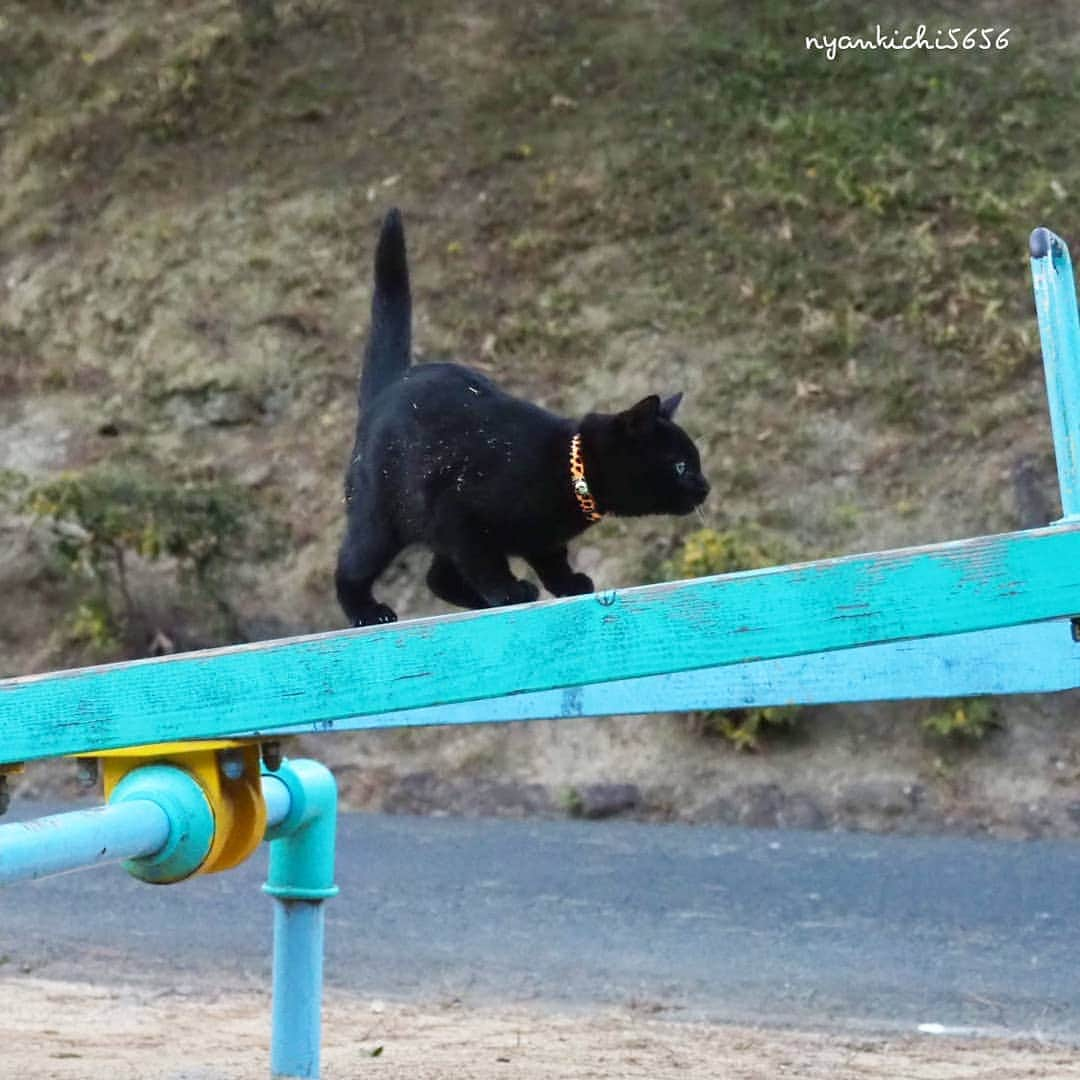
{"type": "Point", "coordinates": [577, 585]}
{"type": "Point", "coordinates": [522, 592]}
{"type": "Point", "coordinates": [375, 615]}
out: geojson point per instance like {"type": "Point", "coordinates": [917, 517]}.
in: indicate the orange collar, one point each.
{"type": "Point", "coordinates": [578, 482]}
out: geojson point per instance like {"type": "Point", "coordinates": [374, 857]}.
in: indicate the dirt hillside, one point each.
{"type": "Point", "coordinates": [603, 200]}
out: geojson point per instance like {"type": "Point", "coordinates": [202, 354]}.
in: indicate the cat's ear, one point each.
{"type": "Point", "coordinates": [640, 419]}
{"type": "Point", "coordinates": [669, 405]}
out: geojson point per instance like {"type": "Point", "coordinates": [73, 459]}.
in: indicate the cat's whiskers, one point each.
{"type": "Point", "coordinates": [701, 514]}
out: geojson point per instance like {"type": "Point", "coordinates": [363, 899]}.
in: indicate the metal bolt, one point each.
{"type": "Point", "coordinates": [232, 764]}
{"type": "Point", "coordinates": [86, 771]}
{"type": "Point", "coordinates": [271, 755]}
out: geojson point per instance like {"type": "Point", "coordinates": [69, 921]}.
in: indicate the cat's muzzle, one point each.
{"type": "Point", "coordinates": [693, 490]}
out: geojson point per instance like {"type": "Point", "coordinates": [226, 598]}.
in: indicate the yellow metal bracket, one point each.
{"type": "Point", "coordinates": [228, 772]}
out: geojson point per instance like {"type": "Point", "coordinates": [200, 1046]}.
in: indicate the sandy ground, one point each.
{"type": "Point", "coordinates": [51, 1029]}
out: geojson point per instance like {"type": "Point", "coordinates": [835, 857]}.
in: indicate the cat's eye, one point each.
{"type": "Point", "coordinates": [680, 468]}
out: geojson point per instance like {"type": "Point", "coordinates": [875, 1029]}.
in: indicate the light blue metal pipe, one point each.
{"type": "Point", "coordinates": [1059, 332]}
{"type": "Point", "coordinates": [277, 798]}
{"type": "Point", "coordinates": [301, 802]}
{"type": "Point", "coordinates": [63, 842]}
{"type": "Point", "coordinates": [139, 824]}
{"type": "Point", "coordinates": [158, 822]}
{"type": "Point", "coordinates": [298, 980]}
{"type": "Point", "coordinates": [302, 843]}
{"type": "Point", "coordinates": [191, 821]}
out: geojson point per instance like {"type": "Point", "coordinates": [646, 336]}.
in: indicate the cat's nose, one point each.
{"type": "Point", "coordinates": [699, 486]}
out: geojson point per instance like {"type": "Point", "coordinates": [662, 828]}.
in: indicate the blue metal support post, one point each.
{"type": "Point", "coordinates": [300, 879]}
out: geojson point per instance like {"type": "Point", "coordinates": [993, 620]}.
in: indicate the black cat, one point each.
{"type": "Point", "coordinates": [445, 458]}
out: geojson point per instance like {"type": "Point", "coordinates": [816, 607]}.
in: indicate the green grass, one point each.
{"type": "Point", "coordinates": [756, 181]}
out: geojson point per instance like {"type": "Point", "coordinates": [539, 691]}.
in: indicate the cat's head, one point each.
{"type": "Point", "coordinates": [640, 461]}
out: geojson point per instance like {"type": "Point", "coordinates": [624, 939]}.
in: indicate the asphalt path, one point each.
{"type": "Point", "coordinates": [819, 930]}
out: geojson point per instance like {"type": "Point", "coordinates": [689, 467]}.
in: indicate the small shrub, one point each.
{"type": "Point", "coordinates": [93, 623]}
{"type": "Point", "coordinates": [709, 551]}
{"type": "Point", "coordinates": [965, 720]}
{"type": "Point", "coordinates": [745, 728]}
{"type": "Point", "coordinates": [105, 517]}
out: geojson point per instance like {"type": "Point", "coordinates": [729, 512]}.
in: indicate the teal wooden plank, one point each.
{"type": "Point", "coordinates": [1036, 658]}
{"type": "Point", "coordinates": [681, 626]}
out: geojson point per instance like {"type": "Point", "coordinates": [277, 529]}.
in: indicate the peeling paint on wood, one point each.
{"type": "Point", "coordinates": [1031, 659]}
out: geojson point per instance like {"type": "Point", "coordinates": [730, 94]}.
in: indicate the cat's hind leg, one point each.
{"type": "Point", "coordinates": [444, 580]}
{"type": "Point", "coordinates": [483, 568]}
{"type": "Point", "coordinates": [366, 551]}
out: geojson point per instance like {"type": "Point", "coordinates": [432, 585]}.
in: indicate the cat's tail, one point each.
{"type": "Point", "coordinates": [389, 342]}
